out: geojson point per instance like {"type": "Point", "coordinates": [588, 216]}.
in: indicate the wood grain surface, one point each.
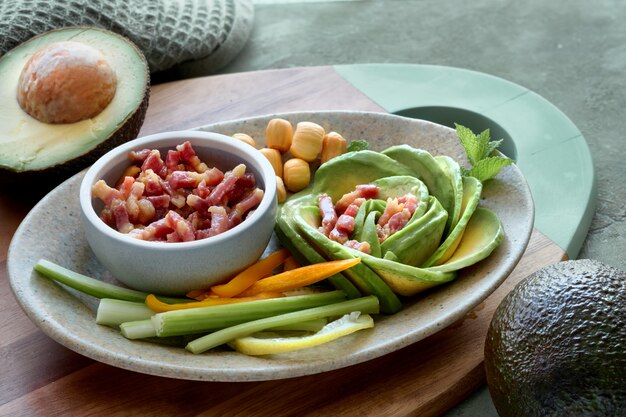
{"type": "Point", "coordinates": [39, 377]}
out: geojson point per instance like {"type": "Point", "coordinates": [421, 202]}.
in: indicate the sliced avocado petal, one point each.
{"type": "Point", "coordinates": [425, 167]}
{"type": "Point", "coordinates": [370, 205]}
{"type": "Point", "coordinates": [414, 243]}
{"type": "Point", "coordinates": [405, 279]}
{"type": "Point", "coordinates": [454, 171]}
{"type": "Point", "coordinates": [369, 234]}
{"type": "Point", "coordinates": [400, 185]}
{"type": "Point", "coordinates": [307, 219]}
{"type": "Point", "coordinates": [472, 189]}
{"type": "Point", "coordinates": [482, 235]}
{"type": "Point", "coordinates": [354, 168]}
{"type": "Point", "coordinates": [305, 254]}
{"type": "Point", "coordinates": [390, 256]}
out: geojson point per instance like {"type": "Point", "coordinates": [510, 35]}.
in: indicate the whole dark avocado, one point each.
{"type": "Point", "coordinates": [66, 97]}
{"type": "Point", "coordinates": [556, 343]}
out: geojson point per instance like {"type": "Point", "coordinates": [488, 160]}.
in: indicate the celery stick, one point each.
{"type": "Point", "coordinates": [112, 312]}
{"type": "Point", "coordinates": [139, 329]}
{"type": "Point", "coordinates": [92, 286]}
{"type": "Point", "coordinates": [307, 326]}
{"type": "Point", "coordinates": [204, 319]}
{"type": "Point", "coordinates": [366, 305]}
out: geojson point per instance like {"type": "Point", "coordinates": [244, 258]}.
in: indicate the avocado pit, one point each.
{"type": "Point", "coordinates": [66, 82]}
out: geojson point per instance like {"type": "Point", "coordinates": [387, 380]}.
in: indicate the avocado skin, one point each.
{"type": "Point", "coordinates": [44, 180]}
{"type": "Point", "coordinates": [555, 346]}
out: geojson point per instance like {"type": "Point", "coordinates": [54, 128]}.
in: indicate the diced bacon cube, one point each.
{"type": "Point", "coordinates": [362, 191]}
{"type": "Point", "coordinates": [153, 183]}
{"type": "Point", "coordinates": [126, 185]}
{"type": "Point", "coordinates": [338, 236]}
{"type": "Point", "coordinates": [202, 190]}
{"type": "Point", "coordinates": [360, 246]}
{"type": "Point", "coordinates": [409, 201]}
{"type": "Point", "coordinates": [188, 154]}
{"type": "Point", "coordinates": [181, 226]}
{"type": "Point", "coordinates": [178, 200]}
{"type": "Point", "coordinates": [105, 193]}
{"type": "Point", "coordinates": [398, 221]}
{"type": "Point", "coordinates": [220, 191]}
{"type": "Point", "coordinates": [155, 163]}
{"type": "Point", "coordinates": [122, 222]}
{"type": "Point", "coordinates": [212, 176]}
{"type": "Point", "coordinates": [391, 208]}
{"type": "Point", "coordinates": [182, 179]}
{"type": "Point", "coordinates": [354, 207]}
{"type": "Point", "coordinates": [219, 220]}
{"type": "Point", "coordinates": [250, 201]}
{"type": "Point", "coordinates": [172, 161]}
{"type": "Point", "coordinates": [201, 205]}
{"type": "Point", "coordinates": [327, 210]}
{"type": "Point", "coordinates": [139, 156]}
{"type": "Point", "coordinates": [159, 201]}
{"type": "Point", "coordinates": [345, 223]}
{"type": "Point", "coordinates": [146, 211]}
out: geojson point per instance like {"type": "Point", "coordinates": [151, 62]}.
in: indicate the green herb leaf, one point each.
{"type": "Point", "coordinates": [489, 167]}
{"type": "Point", "coordinates": [358, 145]}
{"type": "Point", "coordinates": [479, 150]}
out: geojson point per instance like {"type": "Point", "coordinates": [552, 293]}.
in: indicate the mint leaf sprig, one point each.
{"type": "Point", "coordinates": [479, 150]}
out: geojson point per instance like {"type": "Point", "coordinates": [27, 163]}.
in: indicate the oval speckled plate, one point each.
{"type": "Point", "coordinates": [52, 230]}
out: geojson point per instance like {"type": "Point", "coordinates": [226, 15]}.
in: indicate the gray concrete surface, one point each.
{"type": "Point", "coordinates": [572, 52]}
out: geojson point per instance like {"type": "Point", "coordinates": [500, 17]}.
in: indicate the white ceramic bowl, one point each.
{"type": "Point", "coordinates": [176, 268]}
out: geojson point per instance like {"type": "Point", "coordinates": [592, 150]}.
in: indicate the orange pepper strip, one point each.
{"type": "Point", "coordinates": [252, 274]}
{"type": "Point", "coordinates": [299, 277]}
{"type": "Point", "coordinates": [291, 263]}
{"type": "Point", "coordinates": [159, 306]}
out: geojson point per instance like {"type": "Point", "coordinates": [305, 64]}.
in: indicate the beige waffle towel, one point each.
{"type": "Point", "coordinates": [198, 35]}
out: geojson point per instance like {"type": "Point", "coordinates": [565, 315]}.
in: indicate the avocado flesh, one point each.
{"type": "Point", "coordinates": [28, 145]}
{"type": "Point", "coordinates": [555, 345]}
{"type": "Point", "coordinates": [371, 206]}
{"type": "Point", "coordinates": [481, 236]}
{"type": "Point", "coordinates": [355, 168]}
{"type": "Point", "coordinates": [472, 189]}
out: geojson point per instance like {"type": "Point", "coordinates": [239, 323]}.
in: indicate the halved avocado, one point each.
{"type": "Point", "coordinates": [44, 153]}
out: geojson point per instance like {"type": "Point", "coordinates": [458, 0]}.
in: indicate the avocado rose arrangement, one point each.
{"type": "Point", "coordinates": [413, 218]}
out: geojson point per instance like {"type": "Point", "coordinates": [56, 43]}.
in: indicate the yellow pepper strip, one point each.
{"type": "Point", "coordinates": [252, 274]}
{"type": "Point", "coordinates": [159, 306]}
{"type": "Point", "coordinates": [299, 277]}
{"type": "Point", "coordinates": [291, 263]}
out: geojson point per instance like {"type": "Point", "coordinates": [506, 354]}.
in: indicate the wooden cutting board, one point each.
{"type": "Point", "coordinates": [41, 377]}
